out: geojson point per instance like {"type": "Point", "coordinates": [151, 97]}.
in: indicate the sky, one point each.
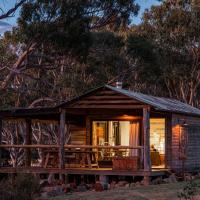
{"type": "Point", "coordinates": [8, 23]}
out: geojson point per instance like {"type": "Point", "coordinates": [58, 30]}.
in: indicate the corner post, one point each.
{"type": "Point", "coordinates": [146, 135]}
{"type": "Point", "coordinates": [62, 139]}
{"type": "Point", "coordinates": [28, 138]}
{"type": "Point", "coordinates": [88, 131]}
{"type": "Point", "coordinates": [1, 130]}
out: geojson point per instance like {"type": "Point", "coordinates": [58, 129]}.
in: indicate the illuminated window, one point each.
{"type": "Point", "coordinates": [157, 140]}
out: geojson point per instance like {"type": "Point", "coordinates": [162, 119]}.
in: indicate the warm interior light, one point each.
{"type": "Point", "coordinates": [157, 134]}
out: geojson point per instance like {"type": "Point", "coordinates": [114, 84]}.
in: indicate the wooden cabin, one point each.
{"type": "Point", "coordinates": [112, 131]}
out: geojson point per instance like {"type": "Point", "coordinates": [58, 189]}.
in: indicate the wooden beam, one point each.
{"type": "Point", "coordinates": [33, 146]}
{"type": "Point", "coordinates": [109, 106]}
{"type": "Point", "coordinates": [88, 131]}
{"type": "Point", "coordinates": [62, 139]}
{"type": "Point", "coordinates": [28, 138]}
{"type": "Point", "coordinates": [119, 97]}
{"type": "Point", "coordinates": [146, 135]}
{"type": "Point", "coordinates": [68, 146]}
{"type": "Point", "coordinates": [107, 102]}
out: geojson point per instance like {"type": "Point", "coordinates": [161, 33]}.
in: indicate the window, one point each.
{"type": "Point", "coordinates": [157, 141]}
{"type": "Point", "coordinates": [114, 133]}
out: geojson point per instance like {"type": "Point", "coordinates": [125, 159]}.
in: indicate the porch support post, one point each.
{"type": "Point", "coordinates": [88, 131]}
{"type": "Point", "coordinates": [28, 138]}
{"type": "Point", "coordinates": [62, 139]}
{"type": "Point", "coordinates": [1, 131]}
{"type": "Point", "coordinates": [146, 135]}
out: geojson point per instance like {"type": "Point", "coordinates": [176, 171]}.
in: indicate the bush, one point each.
{"type": "Point", "coordinates": [190, 190]}
{"type": "Point", "coordinates": [21, 187]}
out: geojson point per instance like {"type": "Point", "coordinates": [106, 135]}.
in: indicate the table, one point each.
{"type": "Point", "coordinates": [155, 158]}
{"type": "Point", "coordinates": [52, 156]}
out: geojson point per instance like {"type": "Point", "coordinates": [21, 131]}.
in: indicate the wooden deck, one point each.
{"type": "Point", "coordinates": [83, 171]}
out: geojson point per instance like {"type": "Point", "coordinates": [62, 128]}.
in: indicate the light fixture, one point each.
{"type": "Point", "coordinates": [185, 123]}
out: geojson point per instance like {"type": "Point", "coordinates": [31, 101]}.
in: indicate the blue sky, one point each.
{"type": "Point", "coordinates": [6, 4]}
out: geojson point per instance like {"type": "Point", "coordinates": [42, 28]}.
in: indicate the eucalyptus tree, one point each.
{"type": "Point", "coordinates": [168, 43]}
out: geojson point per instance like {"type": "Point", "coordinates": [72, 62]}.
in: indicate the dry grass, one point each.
{"type": "Point", "coordinates": [152, 192]}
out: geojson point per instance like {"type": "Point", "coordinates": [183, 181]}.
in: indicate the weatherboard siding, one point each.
{"type": "Point", "coordinates": [192, 127]}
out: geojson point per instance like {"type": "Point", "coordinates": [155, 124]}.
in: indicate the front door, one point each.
{"type": "Point", "coordinates": [157, 142]}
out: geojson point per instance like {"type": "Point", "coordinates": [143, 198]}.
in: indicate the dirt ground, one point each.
{"type": "Point", "coordinates": [152, 192]}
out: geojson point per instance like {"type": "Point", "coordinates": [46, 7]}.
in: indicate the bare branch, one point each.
{"type": "Point", "coordinates": [40, 100]}
{"type": "Point", "coordinates": [10, 12]}
{"type": "Point", "coordinates": [17, 65]}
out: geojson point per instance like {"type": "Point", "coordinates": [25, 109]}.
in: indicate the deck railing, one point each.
{"type": "Point", "coordinates": [85, 156]}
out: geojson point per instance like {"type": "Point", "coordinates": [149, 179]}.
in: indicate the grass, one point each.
{"type": "Point", "coordinates": [152, 192]}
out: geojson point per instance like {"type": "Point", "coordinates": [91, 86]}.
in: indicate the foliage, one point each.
{"type": "Point", "coordinates": [167, 43]}
{"type": "Point", "coordinates": [62, 48]}
{"type": "Point", "coordinates": [22, 187]}
{"type": "Point", "coordinates": [190, 190]}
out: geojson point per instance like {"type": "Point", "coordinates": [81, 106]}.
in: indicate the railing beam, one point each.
{"type": "Point", "coordinates": [28, 138]}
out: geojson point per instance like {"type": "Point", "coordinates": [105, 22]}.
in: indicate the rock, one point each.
{"type": "Point", "coordinates": [140, 183]}
{"type": "Point", "coordinates": [127, 185]}
{"type": "Point", "coordinates": [122, 183]}
{"type": "Point", "coordinates": [81, 188]}
{"type": "Point", "coordinates": [51, 178]}
{"type": "Point", "coordinates": [173, 178]}
{"type": "Point", "coordinates": [132, 185]}
{"type": "Point", "coordinates": [98, 187]}
{"type": "Point", "coordinates": [89, 186]}
{"type": "Point", "coordinates": [47, 189]}
{"type": "Point", "coordinates": [157, 181]}
{"type": "Point", "coordinates": [44, 183]}
{"type": "Point", "coordinates": [112, 185]}
{"type": "Point", "coordinates": [44, 195]}
{"type": "Point", "coordinates": [73, 185]}
{"type": "Point", "coordinates": [58, 189]}
{"type": "Point", "coordinates": [105, 186]}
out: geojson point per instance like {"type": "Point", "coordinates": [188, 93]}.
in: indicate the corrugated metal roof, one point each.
{"type": "Point", "coordinates": [159, 103]}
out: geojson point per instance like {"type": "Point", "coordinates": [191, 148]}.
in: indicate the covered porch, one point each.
{"type": "Point", "coordinates": [103, 133]}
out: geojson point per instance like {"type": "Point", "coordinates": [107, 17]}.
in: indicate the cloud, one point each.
{"type": "Point", "coordinates": [4, 27]}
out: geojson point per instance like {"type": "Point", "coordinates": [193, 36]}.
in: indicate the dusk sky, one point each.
{"type": "Point", "coordinates": [6, 4]}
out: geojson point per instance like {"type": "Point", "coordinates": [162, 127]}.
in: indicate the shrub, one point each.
{"type": "Point", "coordinates": [190, 190]}
{"type": "Point", "coordinates": [21, 187]}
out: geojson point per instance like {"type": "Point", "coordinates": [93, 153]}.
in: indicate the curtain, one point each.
{"type": "Point", "coordinates": [134, 138]}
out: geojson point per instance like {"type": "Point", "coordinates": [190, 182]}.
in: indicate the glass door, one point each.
{"type": "Point", "coordinates": [157, 142]}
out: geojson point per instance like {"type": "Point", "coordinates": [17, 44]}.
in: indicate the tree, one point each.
{"type": "Point", "coordinates": [51, 38]}
{"type": "Point", "coordinates": [170, 36]}
{"type": "Point", "coordinates": [11, 11]}
{"type": "Point", "coordinates": [53, 29]}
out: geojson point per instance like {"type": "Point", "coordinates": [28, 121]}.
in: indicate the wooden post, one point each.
{"type": "Point", "coordinates": [62, 140]}
{"type": "Point", "coordinates": [28, 138]}
{"type": "Point", "coordinates": [1, 130]}
{"type": "Point", "coordinates": [146, 135]}
{"type": "Point", "coordinates": [88, 131]}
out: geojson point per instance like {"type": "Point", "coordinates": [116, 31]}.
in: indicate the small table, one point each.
{"type": "Point", "coordinates": [53, 157]}
{"type": "Point", "coordinates": [84, 155]}
{"type": "Point", "coordinates": [155, 158]}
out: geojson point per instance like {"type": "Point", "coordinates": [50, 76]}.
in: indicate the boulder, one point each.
{"type": "Point", "coordinates": [112, 185]}
{"type": "Point", "coordinates": [132, 185]}
{"type": "Point", "coordinates": [171, 179]}
{"type": "Point", "coordinates": [98, 187]}
{"type": "Point", "coordinates": [81, 188]}
{"type": "Point", "coordinates": [122, 183]}
{"type": "Point", "coordinates": [157, 181]}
